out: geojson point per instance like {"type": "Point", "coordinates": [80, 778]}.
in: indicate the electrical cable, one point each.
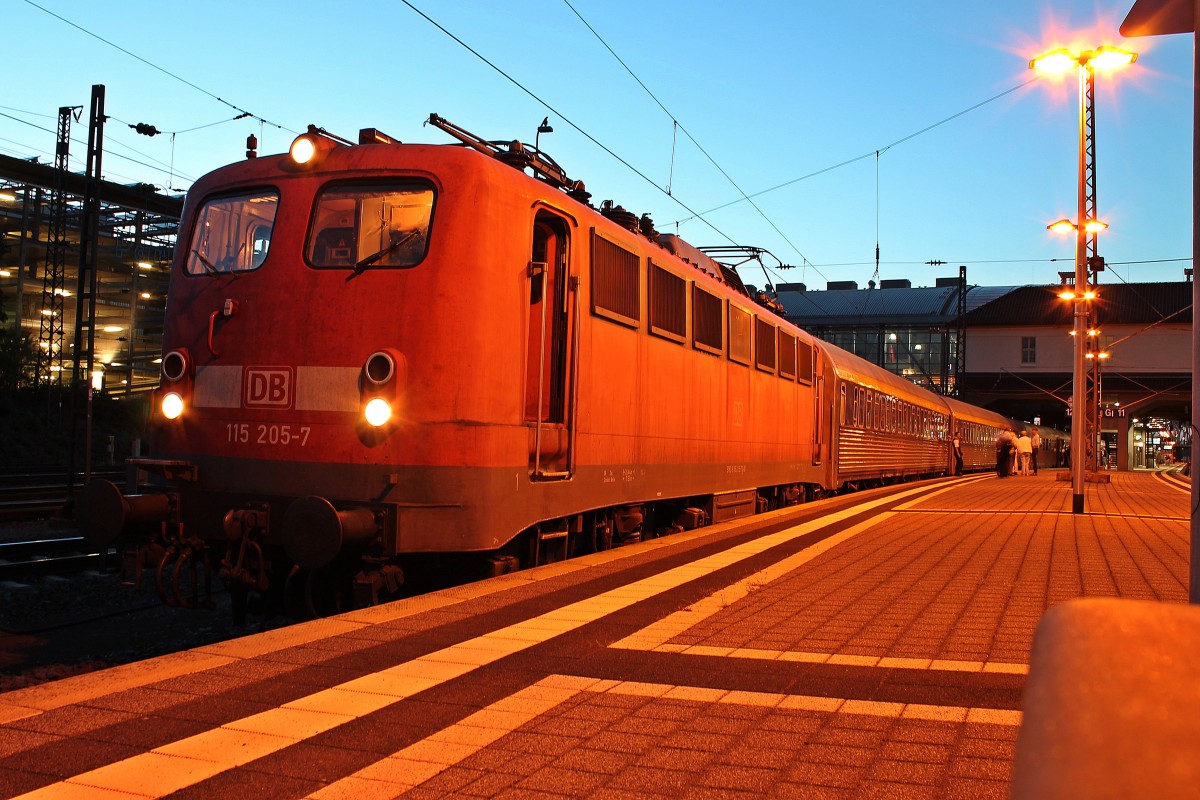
{"type": "Point", "coordinates": [880, 150]}
{"type": "Point", "coordinates": [154, 66]}
{"type": "Point", "coordinates": [677, 124]}
{"type": "Point", "coordinates": [564, 118]}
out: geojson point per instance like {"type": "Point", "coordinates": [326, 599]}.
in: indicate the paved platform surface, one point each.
{"type": "Point", "coordinates": [874, 645]}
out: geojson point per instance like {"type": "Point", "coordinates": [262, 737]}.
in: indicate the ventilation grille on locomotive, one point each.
{"type": "Point", "coordinates": [616, 284]}
{"type": "Point", "coordinates": [668, 304]}
{"type": "Point", "coordinates": [764, 345]}
{"type": "Point", "coordinates": [707, 327]}
{"type": "Point", "coordinates": [739, 334]}
{"type": "Point", "coordinates": [804, 361]}
{"type": "Point", "coordinates": [787, 355]}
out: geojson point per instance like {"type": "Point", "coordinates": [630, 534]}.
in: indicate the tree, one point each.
{"type": "Point", "coordinates": [18, 359]}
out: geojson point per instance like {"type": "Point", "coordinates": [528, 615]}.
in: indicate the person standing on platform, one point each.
{"type": "Point", "coordinates": [1006, 443]}
{"type": "Point", "coordinates": [956, 443]}
{"type": "Point", "coordinates": [1024, 453]}
{"type": "Point", "coordinates": [1036, 441]}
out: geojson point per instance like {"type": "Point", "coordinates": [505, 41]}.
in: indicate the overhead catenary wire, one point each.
{"type": "Point", "coordinates": [152, 65]}
{"type": "Point", "coordinates": [263, 122]}
{"type": "Point", "coordinates": [162, 168]}
{"type": "Point", "coordinates": [876, 152]}
{"type": "Point", "coordinates": [679, 126]}
{"type": "Point", "coordinates": [565, 119]}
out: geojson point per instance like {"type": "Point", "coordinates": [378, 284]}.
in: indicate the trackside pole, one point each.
{"type": "Point", "coordinates": [1157, 18]}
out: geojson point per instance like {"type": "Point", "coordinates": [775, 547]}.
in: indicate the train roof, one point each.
{"type": "Point", "coordinates": [377, 151]}
{"type": "Point", "coordinates": [850, 367]}
{"type": "Point", "coordinates": [970, 413]}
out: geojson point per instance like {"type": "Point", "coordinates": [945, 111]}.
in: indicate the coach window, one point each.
{"type": "Point", "coordinates": [232, 233]}
{"type": "Point", "coordinates": [370, 226]}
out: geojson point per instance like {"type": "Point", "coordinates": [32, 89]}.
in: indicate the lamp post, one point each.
{"type": "Point", "coordinates": [1086, 64]}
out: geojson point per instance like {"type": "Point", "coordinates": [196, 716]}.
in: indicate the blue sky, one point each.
{"type": "Point", "coordinates": [788, 102]}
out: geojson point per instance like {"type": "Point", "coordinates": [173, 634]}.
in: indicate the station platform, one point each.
{"type": "Point", "coordinates": [872, 645]}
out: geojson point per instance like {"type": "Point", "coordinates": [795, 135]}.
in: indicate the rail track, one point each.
{"type": "Point", "coordinates": [36, 557]}
{"type": "Point", "coordinates": [27, 494]}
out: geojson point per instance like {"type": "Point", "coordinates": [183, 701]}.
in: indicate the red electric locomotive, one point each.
{"type": "Point", "coordinates": [380, 352]}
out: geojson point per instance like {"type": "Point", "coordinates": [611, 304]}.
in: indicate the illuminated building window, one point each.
{"type": "Point", "coordinates": [1028, 349]}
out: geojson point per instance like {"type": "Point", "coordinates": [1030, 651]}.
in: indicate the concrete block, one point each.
{"type": "Point", "coordinates": [1112, 705]}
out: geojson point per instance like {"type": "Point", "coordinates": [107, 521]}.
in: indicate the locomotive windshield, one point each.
{"type": "Point", "coordinates": [232, 233]}
{"type": "Point", "coordinates": [367, 226]}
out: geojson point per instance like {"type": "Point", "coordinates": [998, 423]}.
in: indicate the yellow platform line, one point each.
{"type": "Point", "coordinates": [413, 765]}
{"type": "Point", "coordinates": [1174, 483]}
{"type": "Point", "coordinates": [1008, 512]}
{"type": "Point", "coordinates": [657, 636]}
{"type": "Point", "coordinates": [180, 764]}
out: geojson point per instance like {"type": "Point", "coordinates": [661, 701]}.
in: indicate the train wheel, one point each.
{"type": "Point", "coordinates": [164, 568]}
{"type": "Point", "coordinates": [602, 534]}
{"type": "Point", "coordinates": [294, 588]}
{"type": "Point", "coordinates": [191, 574]}
{"type": "Point", "coordinates": [316, 593]}
{"type": "Point", "coordinates": [328, 590]}
{"type": "Point", "coordinates": [239, 602]}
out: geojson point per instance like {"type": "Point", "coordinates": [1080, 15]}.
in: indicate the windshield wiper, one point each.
{"type": "Point", "coordinates": [210, 269]}
{"type": "Point", "coordinates": [374, 257]}
{"type": "Point", "coordinates": [208, 265]}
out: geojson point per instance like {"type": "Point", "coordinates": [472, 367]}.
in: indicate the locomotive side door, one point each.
{"type": "Point", "coordinates": [551, 351]}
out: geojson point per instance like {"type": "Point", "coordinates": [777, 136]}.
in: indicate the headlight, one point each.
{"type": "Point", "coordinates": [310, 148]}
{"type": "Point", "coordinates": [303, 149]}
{"type": "Point", "coordinates": [172, 405]}
{"type": "Point", "coordinates": [378, 411]}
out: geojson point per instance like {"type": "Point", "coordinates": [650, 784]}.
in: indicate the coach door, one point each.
{"type": "Point", "coordinates": [550, 351]}
{"type": "Point", "coordinates": [819, 440]}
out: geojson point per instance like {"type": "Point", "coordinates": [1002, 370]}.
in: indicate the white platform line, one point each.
{"type": "Point", "coordinates": [189, 761]}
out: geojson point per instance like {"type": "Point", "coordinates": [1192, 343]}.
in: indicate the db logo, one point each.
{"type": "Point", "coordinates": [268, 387]}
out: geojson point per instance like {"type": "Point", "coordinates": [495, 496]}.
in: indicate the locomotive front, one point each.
{"type": "Point", "coordinates": [306, 300]}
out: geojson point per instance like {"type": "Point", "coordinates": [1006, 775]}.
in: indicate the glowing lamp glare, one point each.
{"type": "Point", "coordinates": [377, 412]}
{"type": "Point", "coordinates": [303, 150]}
{"type": "Point", "coordinates": [172, 405]}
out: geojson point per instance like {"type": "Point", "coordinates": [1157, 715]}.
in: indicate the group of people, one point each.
{"type": "Point", "coordinates": [1017, 454]}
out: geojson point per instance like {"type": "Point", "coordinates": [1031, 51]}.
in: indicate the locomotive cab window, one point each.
{"type": "Point", "coordinates": [370, 226]}
{"type": "Point", "coordinates": [232, 233]}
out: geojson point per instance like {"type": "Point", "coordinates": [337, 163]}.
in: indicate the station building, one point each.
{"type": "Point", "coordinates": [1009, 349]}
